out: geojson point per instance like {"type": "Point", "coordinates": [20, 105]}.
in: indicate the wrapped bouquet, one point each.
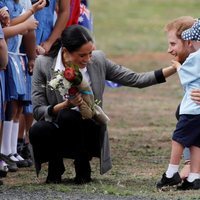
{"type": "Point", "coordinates": [69, 82]}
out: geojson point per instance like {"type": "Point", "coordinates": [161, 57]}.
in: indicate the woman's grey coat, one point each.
{"type": "Point", "coordinates": [100, 69]}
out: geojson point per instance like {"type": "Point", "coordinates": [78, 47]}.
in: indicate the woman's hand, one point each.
{"type": "Point", "coordinates": [195, 95]}
{"type": "Point", "coordinates": [176, 64]}
{"type": "Point", "coordinates": [76, 100]}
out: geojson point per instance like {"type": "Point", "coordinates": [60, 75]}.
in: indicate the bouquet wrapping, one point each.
{"type": "Point", "coordinates": [69, 82]}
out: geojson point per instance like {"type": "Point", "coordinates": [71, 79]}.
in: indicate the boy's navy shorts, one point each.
{"type": "Point", "coordinates": [187, 131]}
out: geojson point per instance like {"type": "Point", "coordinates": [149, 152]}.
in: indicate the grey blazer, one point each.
{"type": "Point", "coordinates": [100, 69]}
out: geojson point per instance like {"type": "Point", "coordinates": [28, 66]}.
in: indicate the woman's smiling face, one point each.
{"type": "Point", "coordinates": [82, 56]}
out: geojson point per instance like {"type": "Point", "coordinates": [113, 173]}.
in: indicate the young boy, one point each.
{"type": "Point", "coordinates": [187, 132]}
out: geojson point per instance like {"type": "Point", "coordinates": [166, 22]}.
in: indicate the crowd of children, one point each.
{"type": "Point", "coordinates": [28, 28]}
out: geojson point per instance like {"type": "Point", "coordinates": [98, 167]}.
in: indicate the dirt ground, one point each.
{"type": "Point", "coordinates": [142, 121]}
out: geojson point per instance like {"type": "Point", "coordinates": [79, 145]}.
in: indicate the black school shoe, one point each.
{"type": "Point", "coordinates": [12, 166]}
{"type": "Point", "coordinates": [174, 180]}
{"type": "Point", "coordinates": [186, 185]}
{"type": "Point", "coordinates": [23, 150]}
{"type": "Point", "coordinates": [3, 168]}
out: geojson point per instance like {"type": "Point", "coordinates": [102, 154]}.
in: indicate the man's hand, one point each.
{"type": "Point", "coordinates": [195, 95]}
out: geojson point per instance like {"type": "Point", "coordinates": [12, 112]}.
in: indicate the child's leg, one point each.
{"type": "Point", "coordinates": [195, 164]}
{"type": "Point", "coordinates": [171, 176]}
{"type": "Point", "coordinates": [186, 168]}
{"type": "Point", "coordinates": [15, 129]}
{"type": "Point", "coordinates": [7, 129]}
{"type": "Point", "coordinates": [26, 121]}
{"type": "Point", "coordinates": [22, 125]}
{"type": "Point", "coordinates": [176, 153]}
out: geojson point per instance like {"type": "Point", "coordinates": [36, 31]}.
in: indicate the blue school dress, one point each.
{"type": "Point", "coordinates": [2, 85]}
{"type": "Point", "coordinates": [46, 22]}
{"type": "Point", "coordinates": [16, 72]}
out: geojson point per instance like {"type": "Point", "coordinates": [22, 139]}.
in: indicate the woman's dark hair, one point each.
{"type": "Point", "coordinates": [72, 38]}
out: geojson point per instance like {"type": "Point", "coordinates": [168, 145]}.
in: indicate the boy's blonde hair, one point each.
{"type": "Point", "coordinates": [179, 25]}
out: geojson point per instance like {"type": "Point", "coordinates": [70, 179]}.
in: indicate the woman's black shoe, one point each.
{"type": "Point", "coordinates": [82, 180]}
{"type": "Point", "coordinates": [53, 180]}
{"type": "Point", "coordinates": [83, 171]}
{"type": "Point", "coordinates": [38, 167]}
{"type": "Point", "coordinates": [56, 169]}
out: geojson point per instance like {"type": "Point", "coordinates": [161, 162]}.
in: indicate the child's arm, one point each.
{"type": "Point", "coordinates": [30, 24]}
{"type": "Point", "coordinates": [63, 15]}
{"type": "Point", "coordinates": [29, 44]}
{"type": "Point", "coordinates": [3, 54]}
{"type": "Point", "coordinates": [4, 17]}
{"type": "Point", "coordinates": [35, 7]}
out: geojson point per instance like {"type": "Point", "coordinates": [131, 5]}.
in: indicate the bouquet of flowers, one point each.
{"type": "Point", "coordinates": [69, 82]}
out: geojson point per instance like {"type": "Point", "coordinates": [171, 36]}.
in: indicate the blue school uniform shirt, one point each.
{"type": "Point", "coordinates": [46, 22]}
{"type": "Point", "coordinates": [189, 74]}
{"type": "Point", "coordinates": [15, 9]}
{"type": "Point", "coordinates": [14, 74]}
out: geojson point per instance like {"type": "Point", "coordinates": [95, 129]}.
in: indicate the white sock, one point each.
{"type": "Point", "coordinates": [172, 169]}
{"type": "Point", "coordinates": [193, 176]}
{"type": "Point", "coordinates": [14, 137]}
{"type": "Point", "coordinates": [19, 157]}
{"type": "Point", "coordinates": [13, 158]}
{"type": "Point", "coordinates": [6, 137]}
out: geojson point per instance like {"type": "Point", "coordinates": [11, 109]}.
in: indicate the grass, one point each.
{"type": "Point", "coordinates": [129, 26]}
{"type": "Point", "coordinates": [130, 32]}
{"type": "Point", "coordinates": [140, 131]}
